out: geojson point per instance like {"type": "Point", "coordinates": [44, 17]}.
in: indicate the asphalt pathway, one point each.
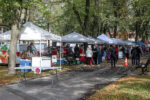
{"type": "Point", "coordinates": [69, 86]}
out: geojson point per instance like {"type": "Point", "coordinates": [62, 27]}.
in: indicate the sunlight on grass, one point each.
{"type": "Point", "coordinates": [128, 88]}
{"type": "Point", "coordinates": [5, 78]}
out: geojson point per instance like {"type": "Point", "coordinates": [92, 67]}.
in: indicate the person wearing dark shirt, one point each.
{"type": "Point", "coordinates": [138, 55]}
{"type": "Point", "coordinates": [112, 56]}
{"type": "Point", "coordinates": [133, 55]}
{"type": "Point", "coordinates": [77, 51]}
{"type": "Point", "coordinates": [95, 54]}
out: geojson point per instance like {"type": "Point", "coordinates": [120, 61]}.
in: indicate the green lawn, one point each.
{"type": "Point", "coordinates": [128, 88]}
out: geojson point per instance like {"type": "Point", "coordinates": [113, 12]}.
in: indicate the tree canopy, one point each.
{"type": "Point", "coordinates": [88, 17]}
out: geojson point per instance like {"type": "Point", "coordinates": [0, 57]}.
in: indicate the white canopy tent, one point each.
{"type": "Point", "coordinates": [106, 39]}
{"type": "Point", "coordinates": [97, 41]}
{"type": "Point", "coordinates": [75, 38]}
{"type": "Point", "coordinates": [31, 32]}
{"type": "Point", "coordinates": [129, 43]}
{"type": "Point", "coordinates": [118, 41]}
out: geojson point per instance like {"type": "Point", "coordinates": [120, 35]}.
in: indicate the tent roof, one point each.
{"type": "Point", "coordinates": [106, 39]}
{"type": "Point", "coordinates": [140, 43]}
{"type": "Point", "coordinates": [127, 42]}
{"type": "Point", "coordinates": [75, 38]}
{"type": "Point", "coordinates": [98, 41]}
{"type": "Point", "coordinates": [32, 32]}
{"type": "Point", "coordinates": [118, 41]}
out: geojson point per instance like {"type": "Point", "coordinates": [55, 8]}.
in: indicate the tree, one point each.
{"type": "Point", "coordinates": [16, 13]}
{"type": "Point", "coordinates": [93, 17]}
{"type": "Point", "coordinates": [141, 18]}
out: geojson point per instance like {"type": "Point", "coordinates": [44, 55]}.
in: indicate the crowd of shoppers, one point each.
{"type": "Point", "coordinates": [98, 53]}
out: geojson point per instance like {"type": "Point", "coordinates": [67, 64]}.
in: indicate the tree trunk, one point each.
{"type": "Point", "coordinates": [13, 45]}
{"type": "Point", "coordinates": [86, 19]}
{"type": "Point", "coordinates": [115, 30]}
{"type": "Point", "coordinates": [84, 25]}
{"type": "Point", "coordinates": [116, 16]}
{"type": "Point", "coordinates": [78, 16]}
{"type": "Point", "coordinates": [136, 31]}
{"type": "Point", "coordinates": [95, 21]}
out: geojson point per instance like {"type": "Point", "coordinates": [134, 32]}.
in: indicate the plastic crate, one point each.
{"type": "Point", "coordinates": [23, 63]}
{"type": "Point", "coordinates": [62, 62]}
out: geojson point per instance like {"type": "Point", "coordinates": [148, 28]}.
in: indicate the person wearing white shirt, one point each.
{"type": "Point", "coordinates": [89, 54]}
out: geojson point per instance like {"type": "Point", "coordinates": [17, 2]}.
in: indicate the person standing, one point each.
{"type": "Point", "coordinates": [138, 55]}
{"type": "Point", "coordinates": [112, 56]}
{"type": "Point", "coordinates": [116, 48]}
{"type": "Point", "coordinates": [95, 54]}
{"type": "Point", "coordinates": [126, 52]}
{"type": "Point", "coordinates": [89, 54]}
{"type": "Point", "coordinates": [31, 50]}
{"type": "Point", "coordinates": [133, 55]}
{"type": "Point", "coordinates": [76, 53]}
{"type": "Point", "coordinates": [98, 54]}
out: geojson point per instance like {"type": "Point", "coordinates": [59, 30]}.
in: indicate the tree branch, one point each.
{"type": "Point", "coordinates": [78, 16]}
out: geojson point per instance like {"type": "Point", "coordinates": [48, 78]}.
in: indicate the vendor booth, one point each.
{"type": "Point", "coordinates": [30, 32]}
{"type": "Point", "coordinates": [77, 39]}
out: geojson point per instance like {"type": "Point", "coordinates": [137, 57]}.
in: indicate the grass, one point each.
{"type": "Point", "coordinates": [5, 78]}
{"type": "Point", "coordinates": [128, 88]}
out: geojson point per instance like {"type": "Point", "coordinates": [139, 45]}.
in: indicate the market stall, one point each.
{"type": "Point", "coordinates": [76, 38]}
{"type": "Point", "coordinates": [30, 32]}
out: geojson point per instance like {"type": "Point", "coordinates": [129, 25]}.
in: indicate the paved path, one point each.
{"type": "Point", "coordinates": [70, 86]}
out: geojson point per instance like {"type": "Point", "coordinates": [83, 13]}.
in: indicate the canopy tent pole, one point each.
{"type": "Point", "coordinates": [40, 52]}
{"type": "Point", "coordinates": [60, 52]}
